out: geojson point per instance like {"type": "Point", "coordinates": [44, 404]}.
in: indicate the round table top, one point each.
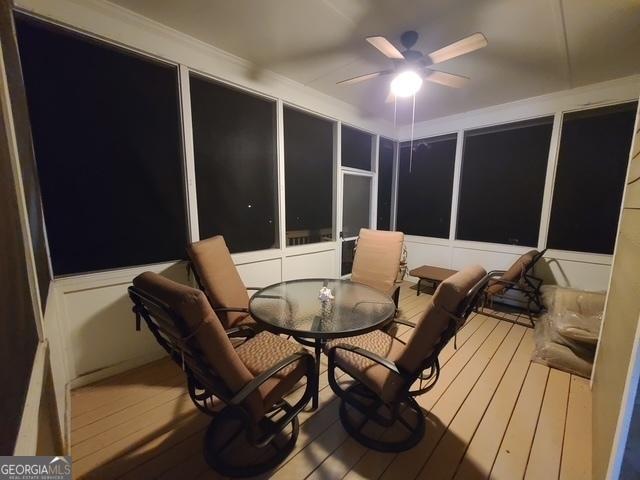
{"type": "Point", "coordinates": [294, 308]}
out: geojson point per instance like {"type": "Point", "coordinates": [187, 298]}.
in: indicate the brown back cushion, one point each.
{"type": "Point", "coordinates": [194, 308]}
{"type": "Point", "coordinates": [219, 277]}
{"type": "Point", "coordinates": [514, 273]}
{"type": "Point", "coordinates": [434, 321]}
{"type": "Point", "coordinates": [377, 259]}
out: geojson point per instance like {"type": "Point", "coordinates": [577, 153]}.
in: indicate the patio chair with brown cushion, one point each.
{"type": "Point", "coordinates": [388, 373]}
{"type": "Point", "coordinates": [218, 277]}
{"type": "Point", "coordinates": [253, 428]}
{"type": "Point", "coordinates": [519, 278]}
{"type": "Point", "coordinates": [377, 260]}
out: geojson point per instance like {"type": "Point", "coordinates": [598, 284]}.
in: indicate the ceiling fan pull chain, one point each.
{"type": "Point", "coordinates": [395, 112]}
{"type": "Point", "coordinates": [413, 121]}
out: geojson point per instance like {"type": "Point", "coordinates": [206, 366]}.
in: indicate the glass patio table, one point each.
{"type": "Point", "coordinates": [295, 308]}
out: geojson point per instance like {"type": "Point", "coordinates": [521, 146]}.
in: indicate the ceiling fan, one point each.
{"type": "Point", "coordinates": [412, 66]}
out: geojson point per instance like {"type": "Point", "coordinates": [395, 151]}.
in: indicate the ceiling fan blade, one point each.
{"type": "Point", "coordinates": [362, 78]}
{"type": "Point", "coordinates": [386, 47]}
{"type": "Point", "coordinates": [446, 79]}
{"type": "Point", "coordinates": [466, 45]}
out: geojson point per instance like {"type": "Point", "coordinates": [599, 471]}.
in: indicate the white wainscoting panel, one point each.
{"type": "Point", "coordinates": [261, 274]}
{"type": "Point", "coordinates": [427, 254]}
{"type": "Point", "coordinates": [312, 265]}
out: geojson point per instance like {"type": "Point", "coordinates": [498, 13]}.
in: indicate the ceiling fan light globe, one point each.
{"type": "Point", "coordinates": [406, 83]}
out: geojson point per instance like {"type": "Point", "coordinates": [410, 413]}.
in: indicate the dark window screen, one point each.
{"type": "Point", "coordinates": [235, 161]}
{"type": "Point", "coordinates": [356, 204]}
{"type": "Point", "coordinates": [385, 183]}
{"type": "Point", "coordinates": [106, 131]}
{"type": "Point", "coordinates": [348, 254]}
{"type": "Point", "coordinates": [356, 148]}
{"type": "Point", "coordinates": [425, 187]}
{"type": "Point", "coordinates": [308, 161]}
{"type": "Point", "coordinates": [502, 184]}
{"type": "Point", "coordinates": [592, 165]}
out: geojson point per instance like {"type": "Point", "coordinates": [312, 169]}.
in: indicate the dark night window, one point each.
{"type": "Point", "coordinates": [308, 167]}
{"type": "Point", "coordinates": [348, 254]}
{"type": "Point", "coordinates": [235, 162]}
{"type": "Point", "coordinates": [106, 131]}
{"type": "Point", "coordinates": [385, 183]}
{"type": "Point", "coordinates": [502, 183]}
{"type": "Point", "coordinates": [592, 165]}
{"type": "Point", "coordinates": [356, 148]}
{"type": "Point", "coordinates": [425, 187]}
{"type": "Point", "coordinates": [356, 204]}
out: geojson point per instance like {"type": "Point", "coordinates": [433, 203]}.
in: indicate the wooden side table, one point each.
{"type": "Point", "coordinates": [435, 275]}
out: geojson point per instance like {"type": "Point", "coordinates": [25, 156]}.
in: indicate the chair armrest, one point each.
{"type": "Point", "coordinates": [253, 288]}
{"type": "Point", "coordinates": [404, 322]}
{"type": "Point", "coordinates": [241, 331]}
{"type": "Point", "coordinates": [231, 309]}
{"type": "Point", "coordinates": [496, 273]}
{"type": "Point", "coordinates": [254, 384]}
{"type": "Point", "coordinates": [385, 362]}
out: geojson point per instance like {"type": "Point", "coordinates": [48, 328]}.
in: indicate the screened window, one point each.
{"type": "Point", "coordinates": [385, 183]}
{"type": "Point", "coordinates": [592, 165]}
{"type": "Point", "coordinates": [356, 204]}
{"type": "Point", "coordinates": [308, 161]}
{"type": "Point", "coordinates": [106, 131]}
{"type": "Point", "coordinates": [356, 148]}
{"type": "Point", "coordinates": [425, 187]}
{"type": "Point", "coordinates": [502, 183]}
{"type": "Point", "coordinates": [348, 254]}
{"type": "Point", "coordinates": [235, 163]}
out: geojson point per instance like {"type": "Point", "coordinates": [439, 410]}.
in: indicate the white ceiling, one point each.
{"type": "Point", "coordinates": [535, 46]}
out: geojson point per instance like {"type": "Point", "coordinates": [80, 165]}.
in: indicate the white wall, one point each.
{"type": "Point", "coordinates": [572, 269]}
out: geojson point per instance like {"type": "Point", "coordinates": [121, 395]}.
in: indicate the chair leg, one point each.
{"type": "Point", "coordinates": [230, 450]}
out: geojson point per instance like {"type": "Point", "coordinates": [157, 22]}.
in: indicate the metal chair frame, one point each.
{"type": "Point", "coordinates": [204, 386]}
{"type": "Point", "coordinates": [528, 284]}
{"type": "Point", "coordinates": [427, 374]}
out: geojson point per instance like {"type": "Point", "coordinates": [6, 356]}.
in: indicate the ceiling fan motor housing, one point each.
{"type": "Point", "coordinates": [409, 39]}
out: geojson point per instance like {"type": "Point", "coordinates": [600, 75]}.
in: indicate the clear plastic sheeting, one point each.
{"type": "Point", "coordinates": [566, 336]}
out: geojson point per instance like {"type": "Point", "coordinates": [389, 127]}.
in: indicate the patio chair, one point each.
{"type": "Point", "coordinates": [388, 374]}
{"type": "Point", "coordinates": [377, 261]}
{"type": "Point", "coordinates": [218, 277]}
{"type": "Point", "coordinates": [518, 278]}
{"type": "Point", "coordinates": [253, 428]}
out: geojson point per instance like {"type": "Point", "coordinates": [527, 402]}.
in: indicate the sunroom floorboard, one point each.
{"type": "Point", "coordinates": [493, 414]}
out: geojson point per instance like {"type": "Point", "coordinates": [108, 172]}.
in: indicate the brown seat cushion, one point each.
{"type": "Point", "coordinates": [220, 279]}
{"type": "Point", "coordinates": [262, 352]}
{"type": "Point", "coordinates": [235, 367]}
{"type": "Point", "coordinates": [379, 379]}
{"type": "Point", "coordinates": [426, 335]}
{"type": "Point", "coordinates": [435, 320]}
{"type": "Point", "coordinates": [514, 274]}
{"type": "Point", "coordinates": [377, 259]}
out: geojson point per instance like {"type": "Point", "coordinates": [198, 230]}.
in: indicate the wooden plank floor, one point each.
{"type": "Point", "coordinates": [493, 414]}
